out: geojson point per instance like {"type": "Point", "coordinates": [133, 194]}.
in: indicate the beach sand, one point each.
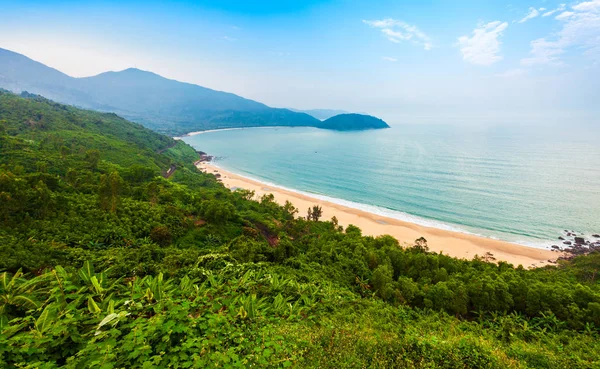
{"type": "Point", "coordinates": [455, 244]}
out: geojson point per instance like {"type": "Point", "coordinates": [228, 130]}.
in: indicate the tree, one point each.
{"type": "Point", "coordinates": [44, 197]}
{"type": "Point", "coordinates": [161, 235]}
{"type": "Point", "coordinates": [110, 191]}
{"type": "Point", "coordinates": [140, 174]}
{"type": "Point", "coordinates": [314, 213]}
{"type": "Point", "coordinates": [421, 244]}
{"type": "Point", "coordinates": [92, 157]}
{"type": "Point", "coordinates": [290, 210]}
{"type": "Point", "coordinates": [64, 151]}
{"type": "Point", "coordinates": [381, 280]}
{"type": "Point", "coordinates": [217, 211]}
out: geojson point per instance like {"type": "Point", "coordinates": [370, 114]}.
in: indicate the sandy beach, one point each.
{"type": "Point", "coordinates": [450, 243]}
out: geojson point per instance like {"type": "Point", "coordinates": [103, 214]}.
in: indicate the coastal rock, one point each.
{"type": "Point", "coordinates": [579, 240]}
{"type": "Point", "coordinates": [561, 238]}
{"type": "Point", "coordinates": [596, 235]}
{"type": "Point", "coordinates": [567, 242]}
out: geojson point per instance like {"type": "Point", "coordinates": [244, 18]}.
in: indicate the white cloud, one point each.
{"type": "Point", "coordinates": [560, 8]}
{"type": "Point", "coordinates": [397, 31]}
{"type": "Point", "coordinates": [483, 46]}
{"type": "Point", "coordinates": [580, 29]}
{"type": "Point", "coordinates": [564, 15]}
{"type": "Point", "coordinates": [230, 39]}
{"type": "Point", "coordinates": [532, 14]}
{"type": "Point", "coordinates": [588, 6]}
{"type": "Point", "coordinates": [390, 59]}
{"type": "Point", "coordinates": [543, 52]}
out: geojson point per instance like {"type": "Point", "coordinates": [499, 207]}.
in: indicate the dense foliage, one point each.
{"type": "Point", "coordinates": [106, 263]}
{"type": "Point", "coordinates": [353, 122]}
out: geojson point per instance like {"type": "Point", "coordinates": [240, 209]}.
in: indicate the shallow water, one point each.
{"type": "Point", "coordinates": [506, 183]}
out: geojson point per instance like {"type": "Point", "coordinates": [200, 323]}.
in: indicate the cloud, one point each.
{"type": "Point", "coordinates": [564, 15]}
{"type": "Point", "coordinates": [397, 31]}
{"type": "Point", "coordinates": [543, 52]}
{"type": "Point", "coordinates": [230, 39]}
{"type": "Point", "coordinates": [588, 6]}
{"type": "Point", "coordinates": [483, 46]}
{"type": "Point", "coordinates": [532, 14]}
{"type": "Point", "coordinates": [390, 59]}
{"type": "Point", "coordinates": [580, 30]}
{"type": "Point", "coordinates": [560, 8]}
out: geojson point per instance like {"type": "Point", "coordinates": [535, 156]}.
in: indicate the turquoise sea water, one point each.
{"type": "Point", "coordinates": [523, 186]}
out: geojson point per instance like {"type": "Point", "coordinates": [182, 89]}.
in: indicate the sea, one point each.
{"type": "Point", "coordinates": [522, 185]}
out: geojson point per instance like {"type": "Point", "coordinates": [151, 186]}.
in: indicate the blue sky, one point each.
{"type": "Point", "coordinates": [405, 61]}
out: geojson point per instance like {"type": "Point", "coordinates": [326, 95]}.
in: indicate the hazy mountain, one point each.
{"type": "Point", "coordinates": [321, 114]}
{"type": "Point", "coordinates": [159, 103]}
{"type": "Point", "coordinates": [353, 122]}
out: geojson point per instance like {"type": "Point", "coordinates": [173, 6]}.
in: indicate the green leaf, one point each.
{"type": "Point", "coordinates": [112, 319]}
{"type": "Point", "coordinates": [97, 287]}
{"type": "Point", "coordinates": [3, 322]}
{"type": "Point", "coordinates": [46, 319]}
{"type": "Point", "coordinates": [93, 307]}
{"type": "Point", "coordinates": [107, 319]}
{"type": "Point", "coordinates": [87, 271]}
{"type": "Point", "coordinates": [4, 280]}
{"type": "Point", "coordinates": [25, 302]}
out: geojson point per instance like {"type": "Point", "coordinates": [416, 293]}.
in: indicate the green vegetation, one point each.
{"type": "Point", "coordinates": [353, 122]}
{"type": "Point", "coordinates": [105, 263]}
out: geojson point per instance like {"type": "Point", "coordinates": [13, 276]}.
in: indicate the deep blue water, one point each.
{"type": "Point", "coordinates": [524, 186]}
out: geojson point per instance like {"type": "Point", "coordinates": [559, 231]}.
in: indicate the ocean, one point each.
{"type": "Point", "coordinates": [520, 185]}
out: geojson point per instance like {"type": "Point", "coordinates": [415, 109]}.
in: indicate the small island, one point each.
{"type": "Point", "coordinates": [353, 122]}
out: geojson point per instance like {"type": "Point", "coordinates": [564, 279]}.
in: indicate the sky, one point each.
{"type": "Point", "coordinates": [466, 62]}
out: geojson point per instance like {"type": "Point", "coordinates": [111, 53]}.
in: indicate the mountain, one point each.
{"type": "Point", "coordinates": [159, 103]}
{"type": "Point", "coordinates": [321, 114]}
{"type": "Point", "coordinates": [353, 122]}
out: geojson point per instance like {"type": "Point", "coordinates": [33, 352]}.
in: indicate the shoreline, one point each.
{"type": "Point", "coordinates": [226, 129]}
{"type": "Point", "coordinates": [453, 243]}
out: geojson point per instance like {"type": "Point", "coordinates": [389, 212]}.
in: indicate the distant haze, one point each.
{"type": "Point", "coordinates": [410, 61]}
{"type": "Point", "coordinates": [321, 114]}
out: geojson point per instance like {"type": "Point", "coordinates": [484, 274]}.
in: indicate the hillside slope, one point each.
{"type": "Point", "coordinates": [104, 262]}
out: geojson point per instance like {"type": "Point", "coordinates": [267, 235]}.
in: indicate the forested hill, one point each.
{"type": "Point", "coordinates": [162, 104]}
{"type": "Point", "coordinates": [106, 263]}
{"type": "Point", "coordinates": [353, 122]}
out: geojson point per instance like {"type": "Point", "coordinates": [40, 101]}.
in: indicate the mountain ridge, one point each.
{"type": "Point", "coordinates": [162, 104]}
